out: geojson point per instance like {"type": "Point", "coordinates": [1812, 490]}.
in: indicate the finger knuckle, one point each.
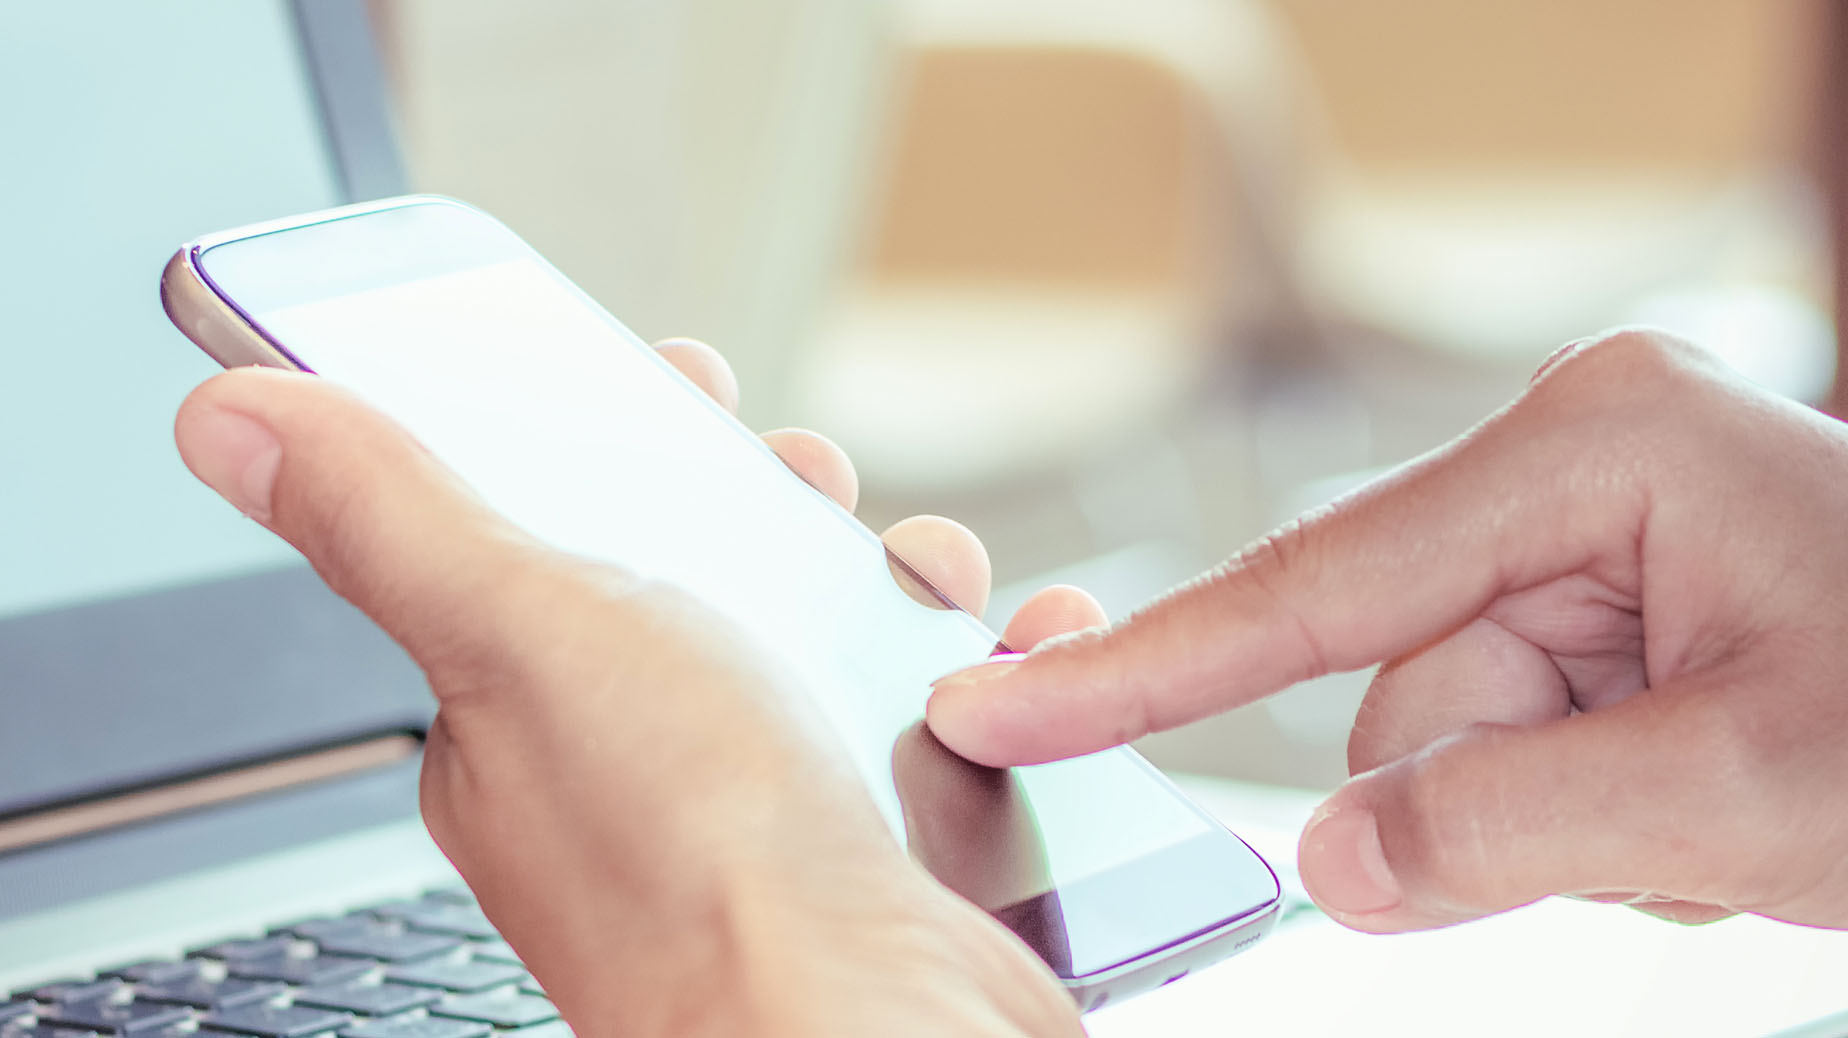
{"type": "Point", "coordinates": [586, 600]}
{"type": "Point", "coordinates": [1624, 395]}
{"type": "Point", "coordinates": [539, 621]}
{"type": "Point", "coordinates": [1262, 578]}
{"type": "Point", "coordinates": [1136, 713]}
{"type": "Point", "coordinates": [1631, 362]}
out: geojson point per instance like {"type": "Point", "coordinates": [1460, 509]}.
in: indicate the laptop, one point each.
{"type": "Point", "coordinates": [208, 763]}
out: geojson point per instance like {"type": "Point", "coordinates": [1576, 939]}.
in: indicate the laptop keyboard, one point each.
{"type": "Point", "coordinates": [429, 967]}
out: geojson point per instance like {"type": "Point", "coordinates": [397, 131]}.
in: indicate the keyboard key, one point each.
{"type": "Point", "coordinates": [157, 971]}
{"type": "Point", "coordinates": [507, 1009]}
{"type": "Point", "coordinates": [14, 1010]}
{"type": "Point", "coordinates": [457, 976]}
{"type": "Point", "coordinates": [329, 926]}
{"type": "Point", "coordinates": [530, 985]}
{"type": "Point", "coordinates": [267, 1021]}
{"type": "Point", "coordinates": [47, 1031]}
{"type": "Point", "coordinates": [203, 993]}
{"type": "Point", "coordinates": [441, 917]}
{"type": "Point", "coordinates": [303, 969]}
{"type": "Point", "coordinates": [492, 951]}
{"type": "Point", "coordinates": [455, 894]}
{"type": "Point", "coordinates": [114, 1016]}
{"type": "Point", "coordinates": [417, 1027]}
{"type": "Point", "coordinates": [389, 944]}
{"type": "Point", "coordinates": [72, 990]}
{"type": "Point", "coordinates": [367, 999]}
{"type": "Point", "coordinates": [253, 948]}
{"type": "Point", "coordinates": [555, 1029]}
{"type": "Point", "coordinates": [187, 1028]}
{"type": "Point", "coordinates": [26, 993]}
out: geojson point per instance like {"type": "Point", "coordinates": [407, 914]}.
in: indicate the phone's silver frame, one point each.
{"type": "Point", "coordinates": [216, 324]}
{"type": "Point", "coordinates": [212, 321]}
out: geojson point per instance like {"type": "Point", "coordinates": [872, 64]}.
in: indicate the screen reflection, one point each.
{"type": "Point", "coordinates": [973, 827]}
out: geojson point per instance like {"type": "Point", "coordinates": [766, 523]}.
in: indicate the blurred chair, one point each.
{"type": "Point", "coordinates": [1496, 179]}
{"type": "Point", "coordinates": [1068, 241]}
{"type": "Point", "coordinates": [691, 164]}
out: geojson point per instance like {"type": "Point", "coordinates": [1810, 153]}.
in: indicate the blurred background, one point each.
{"type": "Point", "coordinates": [1121, 285]}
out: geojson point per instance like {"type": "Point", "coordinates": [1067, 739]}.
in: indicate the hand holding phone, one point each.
{"type": "Point", "coordinates": [557, 418]}
{"type": "Point", "coordinates": [668, 847]}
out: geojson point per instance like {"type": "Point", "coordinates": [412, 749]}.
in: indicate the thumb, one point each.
{"type": "Point", "coordinates": [385, 524]}
{"type": "Point", "coordinates": [1641, 796]}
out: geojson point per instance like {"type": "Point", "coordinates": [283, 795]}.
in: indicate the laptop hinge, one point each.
{"type": "Point", "coordinates": [71, 819]}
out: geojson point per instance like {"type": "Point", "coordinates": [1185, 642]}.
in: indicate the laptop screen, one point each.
{"type": "Point", "coordinates": [134, 604]}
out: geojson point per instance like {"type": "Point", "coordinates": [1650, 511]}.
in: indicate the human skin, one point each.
{"type": "Point", "coordinates": [638, 799]}
{"type": "Point", "coordinates": [1613, 620]}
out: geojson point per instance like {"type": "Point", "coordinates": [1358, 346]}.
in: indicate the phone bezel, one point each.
{"type": "Point", "coordinates": [231, 334]}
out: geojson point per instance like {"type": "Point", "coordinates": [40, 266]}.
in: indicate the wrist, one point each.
{"type": "Point", "coordinates": [679, 912]}
{"type": "Point", "coordinates": [805, 925]}
{"type": "Point", "coordinates": [917, 959]}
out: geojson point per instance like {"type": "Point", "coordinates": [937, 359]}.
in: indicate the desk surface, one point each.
{"type": "Point", "coordinates": [1555, 968]}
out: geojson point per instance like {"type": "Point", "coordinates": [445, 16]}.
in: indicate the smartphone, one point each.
{"type": "Point", "coordinates": [572, 427]}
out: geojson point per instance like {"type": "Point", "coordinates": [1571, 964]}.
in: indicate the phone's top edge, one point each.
{"type": "Point", "coordinates": [287, 223]}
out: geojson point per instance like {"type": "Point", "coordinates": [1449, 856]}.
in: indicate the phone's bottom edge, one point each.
{"type": "Point", "coordinates": [1095, 990]}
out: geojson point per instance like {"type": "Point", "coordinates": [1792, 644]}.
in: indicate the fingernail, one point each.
{"type": "Point", "coordinates": [236, 456]}
{"type": "Point", "coordinates": [987, 670]}
{"type": "Point", "coordinates": [1352, 875]}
